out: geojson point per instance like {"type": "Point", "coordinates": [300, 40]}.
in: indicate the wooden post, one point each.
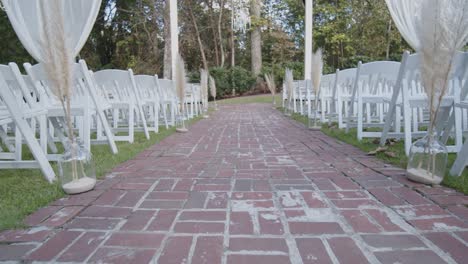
{"type": "Point", "coordinates": [174, 36]}
{"type": "Point", "coordinates": [309, 18]}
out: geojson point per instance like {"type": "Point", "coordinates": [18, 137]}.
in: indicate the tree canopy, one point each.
{"type": "Point", "coordinates": [133, 34]}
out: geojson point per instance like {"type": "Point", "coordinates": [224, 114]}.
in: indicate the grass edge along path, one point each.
{"type": "Point", "coordinates": [398, 150]}
{"type": "Point", "coordinates": [23, 191]}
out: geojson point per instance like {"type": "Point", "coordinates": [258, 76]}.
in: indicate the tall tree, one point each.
{"type": "Point", "coordinates": [167, 42]}
{"type": "Point", "coordinates": [256, 36]}
{"type": "Point", "coordinates": [197, 33]}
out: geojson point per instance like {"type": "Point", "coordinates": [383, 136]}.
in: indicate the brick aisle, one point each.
{"type": "Point", "coordinates": [249, 186]}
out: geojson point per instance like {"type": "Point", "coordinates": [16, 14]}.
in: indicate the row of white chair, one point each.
{"type": "Point", "coordinates": [106, 106]}
{"type": "Point", "coordinates": [387, 99]}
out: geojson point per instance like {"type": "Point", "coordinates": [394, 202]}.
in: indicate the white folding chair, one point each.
{"type": "Point", "coordinates": [19, 111]}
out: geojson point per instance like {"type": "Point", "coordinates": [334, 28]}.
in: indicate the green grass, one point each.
{"type": "Point", "coordinates": [400, 159]}
{"type": "Point", "coordinates": [264, 98]}
{"type": "Point", "coordinates": [24, 191]}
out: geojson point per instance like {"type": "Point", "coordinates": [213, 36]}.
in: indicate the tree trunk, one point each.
{"type": "Point", "coordinates": [389, 30]}
{"type": "Point", "coordinates": [256, 38]}
{"type": "Point", "coordinates": [213, 30]}
{"type": "Point", "coordinates": [220, 33]}
{"type": "Point", "coordinates": [197, 32]}
{"type": "Point", "coordinates": [167, 42]}
{"type": "Point", "coordinates": [233, 43]}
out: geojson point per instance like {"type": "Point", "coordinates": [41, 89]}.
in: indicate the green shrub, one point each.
{"type": "Point", "coordinates": [241, 79]}
{"type": "Point", "coordinates": [227, 79]}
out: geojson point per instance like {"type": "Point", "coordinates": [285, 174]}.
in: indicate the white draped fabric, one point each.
{"type": "Point", "coordinates": [407, 16]}
{"type": "Point", "coordinates": [26, 19]}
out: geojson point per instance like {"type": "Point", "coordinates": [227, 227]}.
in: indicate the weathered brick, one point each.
{"type": "Point", "coordinates": [208, 250]}
{"type": "Point", "coordinates": [346, 195]}
{"type": "Point", "coordinates": [40, 215]}
{"type": "Point", "coordinates": [315, 228]}
{"type": "Point", "coordinates": [240, 223]}
{"type": "Point", "coordinates": [83, 247]}
{"type": "Point", "coordinates": [135, 240]}
{"type": "Point", "coordinates": [409, 257]}
{"type": "Point", "coordinates": [217, 200]}
{"type": "Point", "coordinates": [184, 185]}
{"type": "Point", "coordinates": [270, 223]}
{"type": "Point", "coordinates": [258, 244]}
{"type": "Point", "coordinates": [104, 211]}
{"type": "Point", "coordinates": [196, 200]}
{"type": "Point", "coordinates": [163, 220]}
{"type": "Point", "coordinates": [312, 250]}
{"type": "Point", "coordinates": [383, 220]}
{"type": "Point", "coordinates": [122, 255]}
{"type": "Point", "coordinates": [176, 250]}
{"type": "Point", "coordinates": [93, 223]}
{"type": "Point", "coordinates": [355, 203]}
{"type": "Point", "coordinates": [199, 227]}
{"type": "Point", "coordinates": [164, 185]}
{"type": "Point", "coordinates": [30, 235]}
{"type": "Point", "coordinates": [53, 246]}
{"type": "Point", "coordinates": [346, 250]}
{"type": "Point", "coordinates": [257, 259]}
{"type": "Point", "coordinates": [203, 215]}
{"type": "Point", "coordinates": [109, 197]}
{"type": "Point", "coordinates": [168, 195]}
{"type": "Point", "coordinates": [411, 196]}
{"type": "Point", "coordinates": [386, 197]}
{"type": "Point", "coordinates": [14, 251]}
{"type": "Point", "coordinates": [251, 195]}
{"type": "Point", "coordinates": [130, 198]}
{"type": "Point", "coordinates": [445, 223]}
{"type": "Point", "coordinates": [360, 222]}
{"type": "Point", "coordinates": [393, 241]}
{"type": "Point", "coordinates": [162, 204]}
{"type": "Point", "coordinates": [456, 249]}
{"type": "Point", "coordinates": [138, 220]}
{"type": "Point", "coordinates": [313, 200]}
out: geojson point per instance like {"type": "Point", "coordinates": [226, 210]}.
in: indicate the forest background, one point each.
{"type": "Point", "coordinates": [135, 34]}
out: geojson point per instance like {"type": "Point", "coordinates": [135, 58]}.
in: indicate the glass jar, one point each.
{"type": "Point", "coordinates": [313, 123]}
{"type": "Point", "coordinates": [180, 123]}
{"type": "Point", "coordinates": [427, 160]}
{"type": "Point", "coordinates": [76, 169]}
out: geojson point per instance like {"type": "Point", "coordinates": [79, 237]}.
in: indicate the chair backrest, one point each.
{"type": "Point", "coordinates": [166, 89]}
{"type": "Point", "coordinates": [41, 81]}
{"type": "Point", "coordinates": [117, 83]}
{"type": "Point", "coordinates": [327, 84]}
{"type": "Point", "coordinates": [146, 85]}
{"type": "Point", "coordinates": [345, 80]}
{"type": "Point", "coordinates": [378, 77]}
{"type": "Point", "coordinates": [18, 85]}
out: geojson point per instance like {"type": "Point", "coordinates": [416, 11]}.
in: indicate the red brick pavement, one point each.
{"type": "Point", "coordinates": [249, 186]}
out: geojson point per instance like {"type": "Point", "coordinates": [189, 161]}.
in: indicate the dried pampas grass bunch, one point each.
{"type": "Point", "coordinates": [289, 85]}
{"type": "Point", "coordinates": [204, 87]}
{"type": "Point", "coordinates": [213, 87]}
{"type": "Point", "coordinates": [180, 81]}
{"type": "Point", "coordinates": [271, 86]}
{"type": "Point", "coordinates": [270, 81]}
{"type": "Point", "coordinates": [317, 69]}
{"type": "Point", "coordinates": [58, 59]}
{"type": "Point", "coordinates": [443, 31]}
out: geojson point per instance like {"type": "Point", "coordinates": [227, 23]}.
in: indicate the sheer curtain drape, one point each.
{"type": "Point", "coordinates": [31, 27]}
{"type": "Point", "coordinates": [407, 16]}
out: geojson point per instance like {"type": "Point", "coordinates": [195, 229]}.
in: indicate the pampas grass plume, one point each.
{"type": "Point", "coordinates": [212, 87]}
{"type": "Point", "coordinates": [317, 69]}
{"type": "Point", "coordinates": [289, 80]}
{"type": "Point", "coordinates": [443, 32]}
{"type": "Point", "coordinates": [204, 86]}
{"type": "Point", "coordinates": [270, 83]}
{"type": "Point", "coordinates": [180, 81]}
